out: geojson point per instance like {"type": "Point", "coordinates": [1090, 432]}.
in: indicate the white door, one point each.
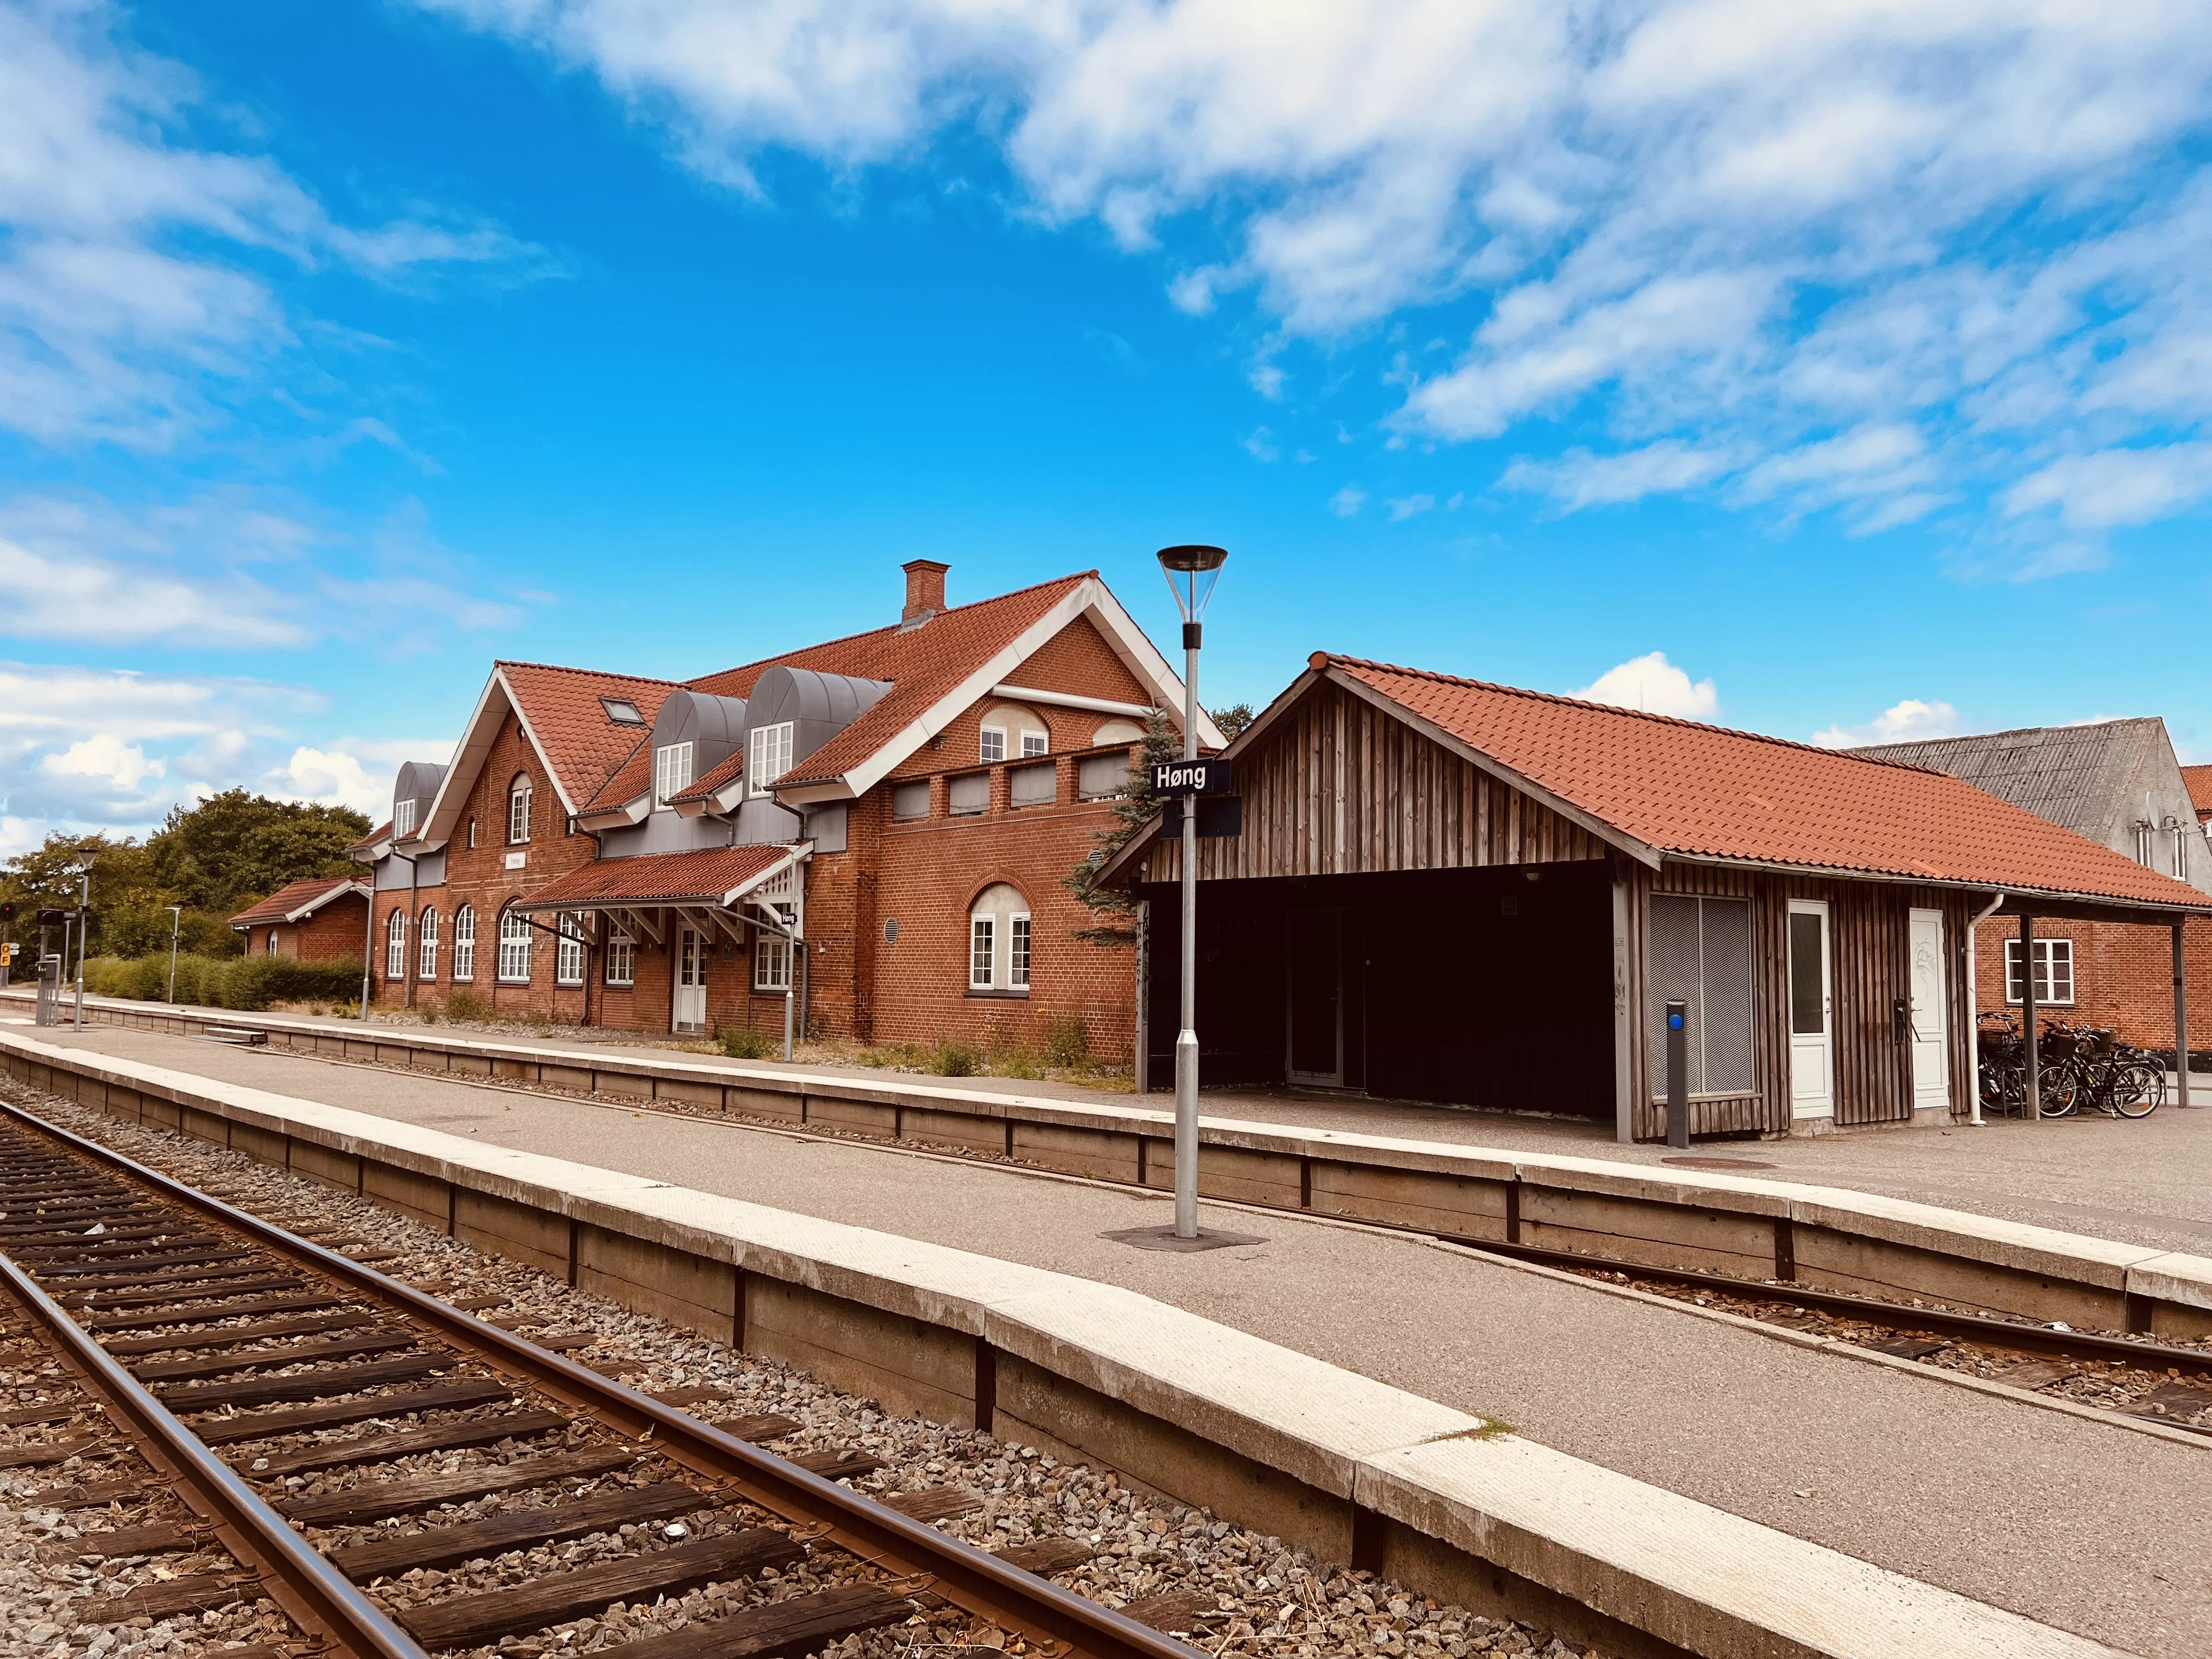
{"type": "Point", "coordinates": [1931, 1072]}
{"type": "Point", "coordinates": [1812, 1026]}
{"type": "Point", "coordinates": [690, 1013]}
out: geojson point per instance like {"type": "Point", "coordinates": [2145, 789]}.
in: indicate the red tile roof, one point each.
{"type": "Point", "coordinates": [631, 779]}
{"type": "Point", "coordinates": [2199, 780]}
{"type": "Point", "coordinates": [923, 664]}
{"type": "Point", "coordinates": [1702, 791]}
{"type": "Point", "coordinates": [704, 877]}
{"type": "Point", "coordinates": [716, 776]}
{"type": "Point", "coordinates": [581, 741]}
{"type": "Point", "coordinates": [308, 893]}
{"type": "Point", "coordinates": [382, 832]}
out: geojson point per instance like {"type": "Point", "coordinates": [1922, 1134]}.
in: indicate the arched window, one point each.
{"type": "Point", "coordinates": [464, 945]}
{"type": "Point", "coordinates": [395, 946]}
{"type": "Point", "coordinates": [568, 955]}
{"type": "Point", "coordinates": [518, 810]}
{"type": "Point", "coordinates": [271, 945]}
{"type": "Point", "coordinates": [998, 940]}
{"type": "Point", "coordinates": [426, 930]}
{"type": "Point", "coordinates": [513, 948]}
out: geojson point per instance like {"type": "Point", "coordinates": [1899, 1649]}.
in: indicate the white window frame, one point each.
{"type": "Point", "coordinates": [622, 958]}
{"type": "Point", "coordinates": [426, 950]}
{"type": "Point", "coordinates": [395, 946]}
{"type": "Point", "coordinates": [518, 810]}
{"type": "Point", "coordinates": [2181, 835]}
{"type": "Point", "coordinates": [569, 957]}
{"type": "Point", "coordinates": [269, 947]}
{"type": "Point", "coordinates": [2050, 954]}
{"type": "Point", "coordinates": [464, 945]}
{"type": "Point", "coordinates": [513, 966]}
{"type": "Point", "coordinates": [983, 953]}
{"type": "Point", "coordinates": [768, 757]}
{"type": "Point", "coordinates": [991, 745]}
{"type": "Point", "coordinates": [672, 771]}
{"type": "Point", "coordinates": [771, 961]}
{"type": "Point", "coordinates": [1034, 744]}
{"type": "Point", "coordinates": [403, 817]}
{"type": "Point", "coordinates": [1018, 937]}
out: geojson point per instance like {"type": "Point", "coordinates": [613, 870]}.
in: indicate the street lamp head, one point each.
{"type": "Point", "coordinates": [81, 860]}
{"type": "Point", "coordinates": [1191, 571]}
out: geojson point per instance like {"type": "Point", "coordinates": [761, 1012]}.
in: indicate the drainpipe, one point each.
{"type": "Point", "coordinates": [368, 945]}
{"type": "Point", "coordinates": [1974, 999]}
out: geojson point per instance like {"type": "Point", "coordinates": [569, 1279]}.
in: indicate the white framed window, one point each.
{"type": "Point", "coordinates": [517, 809]}
{"type": "Point", "coordinates": [568, 953]}
{"type": "Point", "coordinates": [622, 711]}
{"type": "Point", "coordinates": [1035, 742]}
{"type": "Point", "coordinates": [983, 953]}
{"type": "Point", "coordinates": [472, 834]}
{"type": "Point", "coordinates": [403, 817]}
{"type": "Point", "coordinates": [1017, 953]}
{"type": "Point", "coordinates": [622, 958]}
{"type": "Point", "coordinates": [672, 771]}
{"type": "Point", "coordinates": [271, 947]}
{"type": "Point", "coordinates": [395, 946]}
{"type": "Point", "coordinates": [771, 961]}
{"type": "Point", "coordinates": [464, 945]}
{"type": "Point", "coordinates": [426, 954]}
{"type": "Point", "coordinates": [2054, 973]}
{"type": "Point", "coordinates": [2182, 832]}
{"type": "Point", "coordinates": [993, 745]}
{"type": "Point", "coordinates": [513, 948]}
{"type": "Point", "coordinates": [767, 757]}
{"type": "Point", "coordinates": [2143, 832]}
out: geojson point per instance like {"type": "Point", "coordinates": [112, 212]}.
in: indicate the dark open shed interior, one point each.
{"type": "Point", "coordinates": [1490, 986]}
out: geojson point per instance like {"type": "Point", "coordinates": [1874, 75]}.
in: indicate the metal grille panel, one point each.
{"type": "Point", "coordinates": [1701, 953]}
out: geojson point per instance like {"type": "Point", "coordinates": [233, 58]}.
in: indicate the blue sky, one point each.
{"type": "Point", "coordinates": [1835, 372]}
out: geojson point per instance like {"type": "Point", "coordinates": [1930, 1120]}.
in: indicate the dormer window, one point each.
{"type": "Point", "coordinates": [622, 711]}
{"type": "Point", "coordinates": [767, 757]}
{"type": "Point", "coordinates": [403, 817]}
{"type": "Point", "coordinates": [672, 771]}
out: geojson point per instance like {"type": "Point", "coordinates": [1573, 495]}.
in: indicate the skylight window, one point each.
{"type": "Point", "coordinates": [622, 711]}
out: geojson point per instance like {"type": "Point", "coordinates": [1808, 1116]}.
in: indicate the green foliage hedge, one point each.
{"type": "Point", "coordinates": [245, 983]}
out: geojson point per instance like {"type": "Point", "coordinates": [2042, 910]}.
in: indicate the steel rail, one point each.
{"type": "Point", "coordinates": [320, 1599]}
{"type": "Point", "coordinates": [992, 1588]}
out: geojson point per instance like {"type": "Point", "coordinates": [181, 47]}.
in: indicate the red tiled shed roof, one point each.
{"type": "Point", "coordinates": [631, 779]}
{"type": "Point", "coordinates": [382, 832]}
{"type": "Point", "coordinates": [2199, 780]}
{"type": "Point", "coordinates": [1704, 791]}
{"type": "Point", "coordinates": [703, 877]}
{"type": "Point", "coordinates": [308, 893]}
{"type": "Point", "coordinates": [581, 742]}
{"type": "Point", "coordinates": [923, 664]}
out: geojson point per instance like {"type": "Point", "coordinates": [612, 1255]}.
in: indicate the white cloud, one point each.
{"type": "Point", "coordinates": [1260, 445]}
{"type": "Point", "coordinates": [1348, 501]}
{"type": "Point", "coordinates": [1912, 721]}
{"type": "Point", "coordinates": [1653, 685]}
{"type": "Point", "coordinates": [2117, 486]}
{"type": "Point", "coordinates": [1755, 230]}
{"type": "Point", "coordinates": [106, 758]}
{"type": "Point", "coordinates": [1580, 479]}
{"type": "Point", "coordinates": [1408, 506]}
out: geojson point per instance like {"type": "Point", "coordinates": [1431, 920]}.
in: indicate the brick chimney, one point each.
{"type": "Point", "coordinates": [925, 589]}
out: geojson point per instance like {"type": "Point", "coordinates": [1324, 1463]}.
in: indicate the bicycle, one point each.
{"type": "Point", "coordinates": [2116, 1078]}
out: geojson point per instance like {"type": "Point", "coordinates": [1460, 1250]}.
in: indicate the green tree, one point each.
{"type": "Point", "coordinates": [1134, 806]}
{"type": "Point", "coordinates": [234, 848]}
{"type": "Point", "coordinates": [1233, 719]}
{"type": "Point", "coordinates": [123, 886]}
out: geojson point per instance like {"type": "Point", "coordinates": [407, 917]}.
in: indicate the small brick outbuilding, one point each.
{"type": "Point", "coordinates": [315, 918]}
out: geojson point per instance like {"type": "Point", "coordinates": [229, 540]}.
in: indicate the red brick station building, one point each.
{"type": "Point", "coordinates": [879, 826]}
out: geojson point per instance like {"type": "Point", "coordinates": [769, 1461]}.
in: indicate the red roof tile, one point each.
{"type": "Point", "coordinates": [1702, 791]}
{"type": "Point", "coordinates": [923, 664]}
{"type": "Point", "coordinates": [308, 893]}
{"type": "Point", "coordinates": [703, 877]}
{"type": "Point", "coordinates": [631, 779]}
{"type": "Point", "coordinates": [380, 833]}
{"type": "Point", "coordinates": [2199, 779]}
{"type": "Point", "coordinates": [717, 777]}
{"type": "Point", "coordinates": [581, 741]}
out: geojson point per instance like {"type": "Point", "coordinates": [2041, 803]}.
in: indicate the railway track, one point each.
{"type": "Point", "coordinates": [338, 1433]}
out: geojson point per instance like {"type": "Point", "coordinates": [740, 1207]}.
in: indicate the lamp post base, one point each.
{"type": "Point", "coordinates": [1167, 1238]}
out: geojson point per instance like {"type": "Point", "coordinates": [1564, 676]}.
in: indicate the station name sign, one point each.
{"type": "Point", "coordinates": [1191, 777]}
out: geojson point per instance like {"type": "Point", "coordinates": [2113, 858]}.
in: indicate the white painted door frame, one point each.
{"type": "Point", "coordinates": [1927, 977]}
{"type": "Point", "coordinates": [688, 1007]}
{"type": "Point", "coordinates": [1812, 1014]}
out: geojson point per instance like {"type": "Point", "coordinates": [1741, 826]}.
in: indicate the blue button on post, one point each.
{"type": "Point", "coordinates": [1673, 1021]}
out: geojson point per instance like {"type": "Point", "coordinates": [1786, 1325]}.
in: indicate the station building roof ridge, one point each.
{"type": "Point", "coordinates": [298, 898]}
{"type": "Point", "coordinates": [1688, 790]}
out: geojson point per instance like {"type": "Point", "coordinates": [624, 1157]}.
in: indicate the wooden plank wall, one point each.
{"type": "Point", "coordinates": [1340, 788]}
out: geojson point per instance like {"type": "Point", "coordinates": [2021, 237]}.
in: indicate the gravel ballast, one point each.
{"type": "Point", "coordinates": [1258, 1596]}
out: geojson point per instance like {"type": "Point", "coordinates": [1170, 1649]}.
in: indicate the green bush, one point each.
{"type": "Point", "coordinates": [743, 1042]}
{"type": "Point", "coordinates": [953, 1058]}
{"type": "Point", "coordinates": [467, 1005]}
{"type": "Point", "coordinates": [1066, 1043]}
{"type": "Point", "coordinates": [245, 983]}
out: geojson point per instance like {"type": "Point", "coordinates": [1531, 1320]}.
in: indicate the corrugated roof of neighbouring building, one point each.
{"type": "Point", "coordinates": [2071, 775]}
{"type": "Point", "coordinates": [309, 892]}
{"type": "Point", "coordinates": [1706, 792]}
{"type": "Point", "coordinates": [924, 663]}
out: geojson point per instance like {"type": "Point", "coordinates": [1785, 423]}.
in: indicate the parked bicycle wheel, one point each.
{"type": "Point", "coordinates": [2058, 1091]}
{"type": "Point", "coordinates": [2139, 1089]}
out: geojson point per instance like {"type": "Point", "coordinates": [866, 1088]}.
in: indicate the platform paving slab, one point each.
{"type": "Point", "coordinates": [2085, 1526]}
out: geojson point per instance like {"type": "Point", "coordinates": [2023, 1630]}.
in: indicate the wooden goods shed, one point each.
{"type": "Point", "coordinates": [1454, 891]}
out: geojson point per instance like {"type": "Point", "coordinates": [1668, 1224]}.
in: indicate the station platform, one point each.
{"type": "Point", "coordinates": [2087, 1526]}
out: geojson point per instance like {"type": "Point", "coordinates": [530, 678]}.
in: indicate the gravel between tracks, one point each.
{"type": "Point", "coordinates": [1267, 1598]}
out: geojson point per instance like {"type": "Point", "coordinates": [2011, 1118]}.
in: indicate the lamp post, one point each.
{"type": "Point", "coordinates": [83, 861]}
{"type": "Point", "coordinates": [176, 925]}
{"type": "Point", "coordinates": [1191, 573]}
